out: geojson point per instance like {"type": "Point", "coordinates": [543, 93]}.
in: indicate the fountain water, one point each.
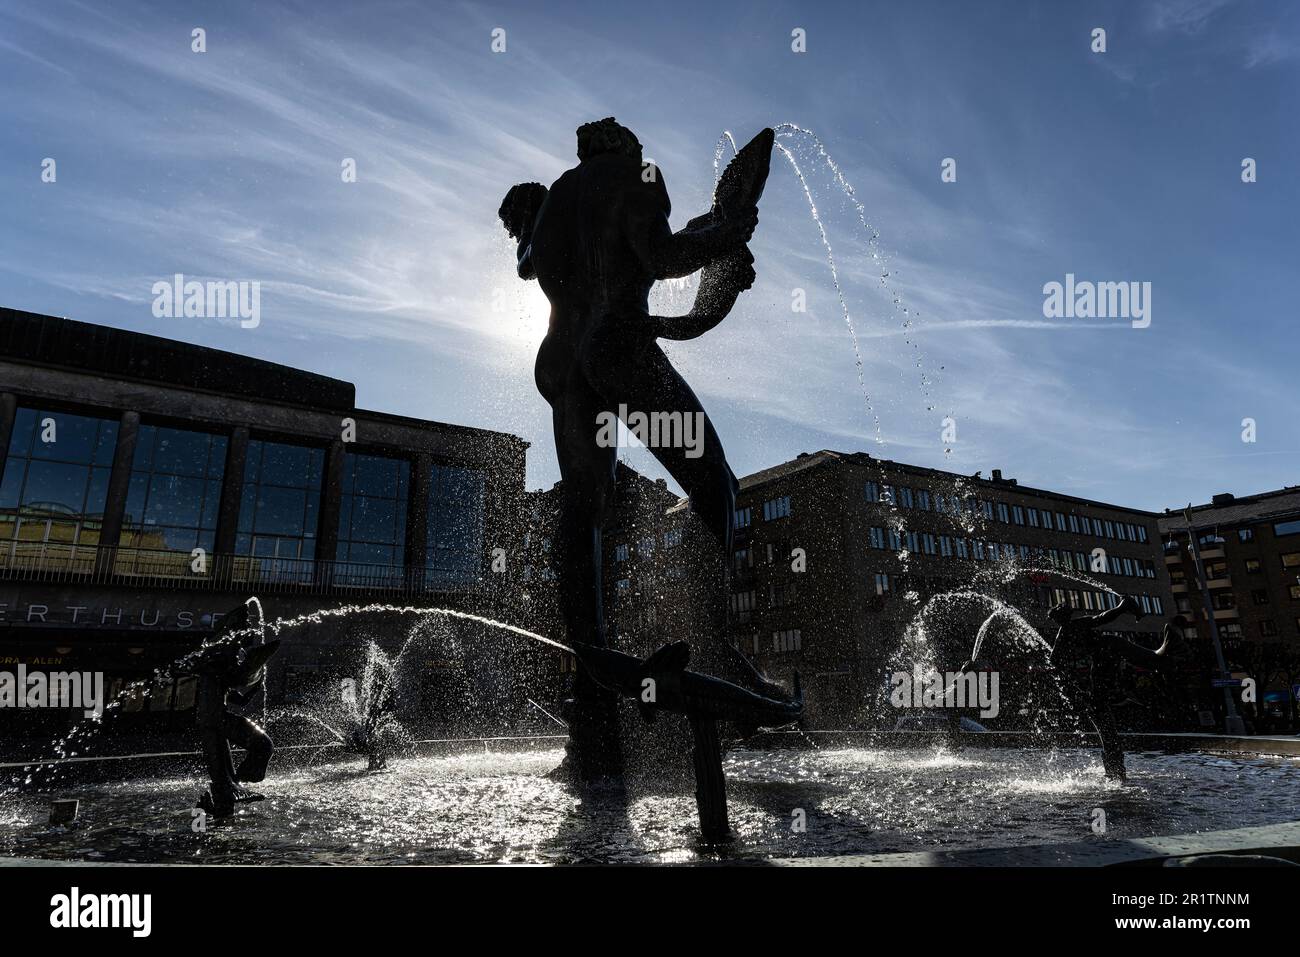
{"type": "Point", "coordinates": [359, 715]}
{"type": "Point", "coordinates": [500, 807]}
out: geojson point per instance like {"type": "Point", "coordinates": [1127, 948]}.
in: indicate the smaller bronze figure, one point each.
{"type": "Point", "coordinates": [1093, 664]}
{"type": "Point", "coordinates": [375, 731]}
{"type": "Point", "coordinates": [231, 668]}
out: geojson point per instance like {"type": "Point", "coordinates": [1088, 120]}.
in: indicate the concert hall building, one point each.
{"type": "Point", "coordinates": [148, 486]}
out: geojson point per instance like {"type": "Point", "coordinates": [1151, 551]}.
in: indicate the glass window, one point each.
{"type": "Point", "coordinates": [280, 508]}
{"type": "Point", "coordinates": [1279, 529]}
{"type": "Point", "coordinates": [455, 545]}
{"type": "Point", "coordinates": [172, 501]}
{"type": "Point", "coordinates": [372, 519]}
{"type": "Point", "coordinates": [776, 508]}
{"type": "Point", "coordinates": [55, 486]}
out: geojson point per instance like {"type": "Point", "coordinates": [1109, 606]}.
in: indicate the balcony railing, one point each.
{"type": "Point", "coordinates": [148, 568]}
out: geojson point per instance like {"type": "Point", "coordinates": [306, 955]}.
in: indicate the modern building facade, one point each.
{"type": "Point", "coordinates": [1249, 550]}
{"type": "Point", "coordinates": [148, 486]}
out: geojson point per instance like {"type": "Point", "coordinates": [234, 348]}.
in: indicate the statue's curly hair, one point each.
{"type": "Point", "coordinates": [607, 136]}
{"type": "Point", "coordinates": [519, 208]}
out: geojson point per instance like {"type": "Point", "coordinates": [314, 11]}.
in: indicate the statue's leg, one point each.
{"type": "Point", "coordinates": [634, 371]}
{"type": "Point", "coordinates": [256, 742]}
{"type": "Point", "coordinates": [209, 712]}
{"type": "Point", "coordinates": [1112, 749]}
{"type": "Point", "coordinates": [586, 495]}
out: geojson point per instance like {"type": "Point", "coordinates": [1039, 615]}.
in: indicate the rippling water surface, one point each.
{"type": "Point", "coordinates": [501, 808]}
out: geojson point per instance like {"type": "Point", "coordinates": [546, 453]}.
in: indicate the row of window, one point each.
{"type": "Point", "coordinates": [745, 602]}
{"type": "Point", "coordinates": [646, 546]}
{"type": "Point", "coordinates": [1086, 599]}
{"type": "Point", "coordinates": [788, 640]}
{"type": "Point", "coordinates": [1231, 631]}
{"type": "Point", "coordinates": [55, 487]}
{"type": "Point", "coordinates": [773, 509]}
{"type": "Point", "coordinates": [742, 559]}
{"type": "Point", "coordinates": [921, 499]}
{"type": "Point", "coordinates": [949, 546]}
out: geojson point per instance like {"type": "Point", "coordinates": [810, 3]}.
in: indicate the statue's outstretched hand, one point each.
{"type": "Point", "coordinates": [738, 229]}
{"type": "Point", "coordinates": [740, 272]}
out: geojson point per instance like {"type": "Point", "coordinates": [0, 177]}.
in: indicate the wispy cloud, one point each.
{"type": "Point", "coordinates": [227, 165]}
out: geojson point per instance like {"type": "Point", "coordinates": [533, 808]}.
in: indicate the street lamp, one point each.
{"type": "Point", "coordinates": [1232, 722]}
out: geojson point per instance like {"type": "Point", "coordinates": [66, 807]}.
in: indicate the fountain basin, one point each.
{"type": "Point", "coordinates": [491, 802]}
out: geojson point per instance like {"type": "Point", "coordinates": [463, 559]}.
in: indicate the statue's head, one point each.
{"type": "Point", "coordinates": [607, 136]}
{"type": "Point", "coordinates": [246, 622]}
{"type": "Point", "coordinates": [1061, 613]}
{"type": "Point", "coordinates": [519, 208]}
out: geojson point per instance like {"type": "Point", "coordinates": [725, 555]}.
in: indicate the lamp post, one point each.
{"type": "Point", "coordinates": [1232, 722]}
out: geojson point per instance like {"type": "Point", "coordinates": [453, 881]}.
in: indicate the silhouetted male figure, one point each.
{"type": "Point", "coordinates": [1078, 642]}
{"type": "Point", "coordinates": [230, 670]}
{"type": "Point", "coordinates": [596, 242]}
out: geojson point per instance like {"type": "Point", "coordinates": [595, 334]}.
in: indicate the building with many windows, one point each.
{"type": "Point", "coordinates": [148, 486]}
{"type": "Point", "coordinates": [835, 552]}
{"type": "Point", "coordinates": [1249, 549]}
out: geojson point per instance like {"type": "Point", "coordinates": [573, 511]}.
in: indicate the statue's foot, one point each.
{"type": "Point", "coordinates": [606, 778]}
{"type": "Point", "coordinates": [222, 806]}
{"type": "Point", "coordinates": [561, 772]}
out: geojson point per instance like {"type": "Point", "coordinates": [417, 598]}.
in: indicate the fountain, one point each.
{"type": "Point", "coordinates": [777, 793]}
{"type": "Point", "coordinates": [359, 715]}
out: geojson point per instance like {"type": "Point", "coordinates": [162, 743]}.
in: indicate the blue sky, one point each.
{"type": "Point", "coordinates": [1115, 166]}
